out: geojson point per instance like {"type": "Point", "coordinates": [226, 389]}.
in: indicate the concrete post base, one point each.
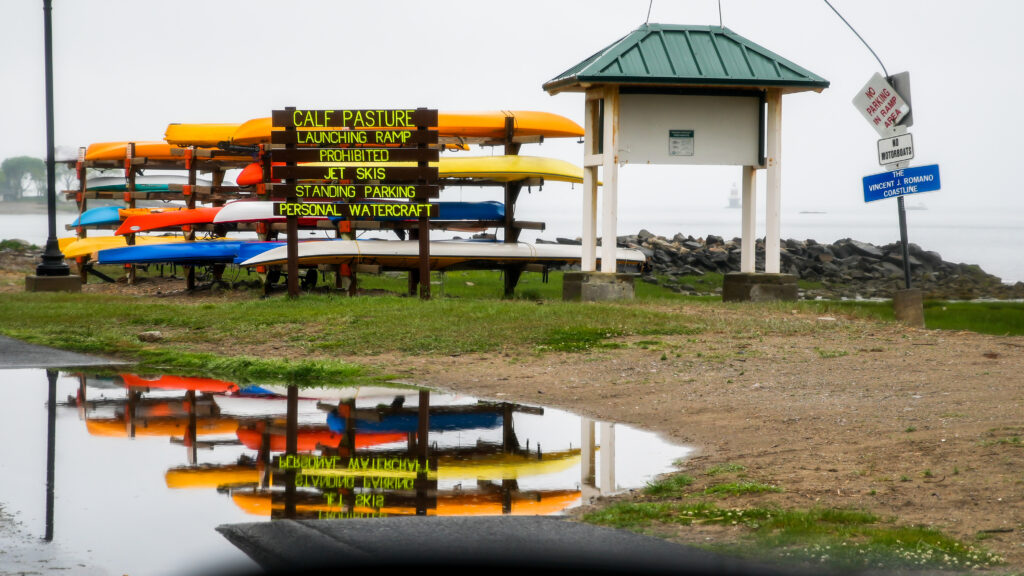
{"type": "Point", "coordinates": [908, 306]}
{"type": "Point", "coordinates": [597, 286]}
{"type": "Point", "coordinates": [758, 287]}
{"type": "Point", "coordinates": [53, 284]}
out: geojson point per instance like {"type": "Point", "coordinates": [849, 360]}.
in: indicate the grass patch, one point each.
{"type": "Point", "coordinates": [831, 538]}
{"type": "Point", "coordinates": [577, 339]}
{"type": "Point", "coordinates": [328, 325]}
{"type": "Point", "coordinates": [245, 369]}
{"type": "Point", "coordinates": [668, 487]}
{"type": "Point", "coordinates": [739, 488]}
{"type": "Point", "coordinates": [1001, 318]}
{"type": "Point", "coordinates": [729, 468]}
{"type": "Point", "coordinates": [831, 353]}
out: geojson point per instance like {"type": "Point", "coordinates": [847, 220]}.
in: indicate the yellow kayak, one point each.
{"type": "Point", "coordinates": [201, 135]}
{"type": "Point", "coordinates": [211, 476]}
{"type": "Point", "coordinates": [75, 247]}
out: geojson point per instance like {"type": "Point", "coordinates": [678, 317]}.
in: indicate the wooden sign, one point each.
{"type": "Point", "coordinates": [354, 138]}
{"type": "Point", "coordinates": [357, 174]}
{"type": "Point", "coordinates": [390, 210]}
{"type": "Point", "coordinates": [321, 192]}
{"type": "Point", "coordinates": [399, 118]}
{"type": "Point", "coordinates": [355, 155]}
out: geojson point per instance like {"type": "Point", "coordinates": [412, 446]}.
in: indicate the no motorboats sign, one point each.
{"type": "Point", "coordinates": [901, 182]}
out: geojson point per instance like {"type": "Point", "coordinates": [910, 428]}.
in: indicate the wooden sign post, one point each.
{"type": "Point", "coordinates": [336, 162]}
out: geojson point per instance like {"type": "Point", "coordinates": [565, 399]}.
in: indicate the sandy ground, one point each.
{"type": "Point", "coordinates": [924, 426]}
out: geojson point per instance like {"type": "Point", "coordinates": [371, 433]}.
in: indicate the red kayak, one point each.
{"type": "Point", "coordinates": [168, 382]}
{"type": "Point", "coordinates": [310, 438]}
{"type": "Point", "coordinates": [163, 220]}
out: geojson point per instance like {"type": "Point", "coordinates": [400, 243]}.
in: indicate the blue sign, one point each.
{"type": "Point", "coordinates": [901, 182]}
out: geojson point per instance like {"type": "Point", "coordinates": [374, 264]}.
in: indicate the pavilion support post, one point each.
{"type": "Point", "coordinates": [773, 192]}
{"type": "Point", "coordinates": [748, 252]}
{"type": "Point", "coordinates": [747, 285]}
{"type": "Point", "coordinates": [591, 162]}
{"type": "Point", "coordinates": [610, 173]}
{"type": "Point", "coordinates": [600, 151]}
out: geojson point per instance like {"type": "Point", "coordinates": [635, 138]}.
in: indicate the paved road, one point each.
{"type": "Point", "coordinates": [18, 354]}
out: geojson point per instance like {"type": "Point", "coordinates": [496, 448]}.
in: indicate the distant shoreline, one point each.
{"type": "Point", "coordinates": [35, 206]}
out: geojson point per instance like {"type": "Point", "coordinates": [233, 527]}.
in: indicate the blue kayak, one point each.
{"type": "Point", "coordinates": [97, 216]}
{"type": "Point", "coordinates": [409, 422]}
{"type": "Point", "coordinates": [199, 252]}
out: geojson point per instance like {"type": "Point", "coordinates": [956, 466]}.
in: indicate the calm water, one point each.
{"type": "Point", "coordinates": [993, 240]}
{"type": "Point", "coordinates": [146, 468]}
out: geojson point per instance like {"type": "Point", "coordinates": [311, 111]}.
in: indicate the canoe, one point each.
{"type": "Point", "coordinates": [443, 254]}
{"type": "Point", "coordinates": [162, 220]}
{"type": "Point", "coordinates": [113, 215]}
{"type": "Point", "coordinates": [202, 135]}
{"type": "Point", "coordinates": [263, 211]}
{"type": "Point", "coordinates": [465, 125]}
{"type": "Point", "coordinates": [74, 247]}
{"type": "Point", "coordinates": [171, 382]}
{"type": "Point", "coordinates": [155, 150]}
{"type": "Point", "coordinates": [495, 168]}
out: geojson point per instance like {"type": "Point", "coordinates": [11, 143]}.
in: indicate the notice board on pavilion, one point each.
{"type": "Point", "coordinates": [719, 129]}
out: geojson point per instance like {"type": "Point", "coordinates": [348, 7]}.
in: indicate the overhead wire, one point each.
{"type": "Point", "coordinates": [859, 37]}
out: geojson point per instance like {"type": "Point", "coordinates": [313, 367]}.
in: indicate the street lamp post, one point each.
{"type": "Point", "coordinates": [53, 261]}
{"type": "Point", "coordinates": [52, 274]}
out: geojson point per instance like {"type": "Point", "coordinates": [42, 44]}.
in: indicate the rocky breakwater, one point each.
{"type": "Point", "coordinates": [844, 269]}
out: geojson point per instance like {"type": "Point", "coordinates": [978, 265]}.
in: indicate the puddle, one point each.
{"type": "Point", "coordinates": [145, 468]}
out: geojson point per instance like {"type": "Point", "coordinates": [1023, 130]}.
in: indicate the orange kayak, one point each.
{"type": "Point", "coordinates": [161, 427]}
{"type": "Point", "coordinates": [310, 438]}
{"type": "Point", "coordinates": [475, 125]}
{"type": "Point", "coordinates": [171, 219]}
{"type": "Point", "coordinates": [168, 382]}
{"type": "Point", "coordinates": [156, 150]}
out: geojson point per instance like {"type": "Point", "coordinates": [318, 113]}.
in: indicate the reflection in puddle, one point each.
{"type": "Point", "coordinates": [205, 452]}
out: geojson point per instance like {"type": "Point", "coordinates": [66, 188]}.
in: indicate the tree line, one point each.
{"type": "Point", "coordinates": [25, 176]}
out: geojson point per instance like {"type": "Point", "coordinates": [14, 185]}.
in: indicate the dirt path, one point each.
{"type": "Point", "coordinates": [924, 426]}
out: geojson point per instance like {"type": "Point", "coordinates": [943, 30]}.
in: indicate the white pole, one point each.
{"type": "Point", "coordinates": [589, 240]}
{"type": "Point", "coordinates": [773, 192]}
{"type": "Point", "coordinates": [610, 173]}
{"type": "Point", "coordinates": [749, 226]}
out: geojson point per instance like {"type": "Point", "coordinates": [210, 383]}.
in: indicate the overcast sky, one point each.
{"type": "Point", "coordinates": [124, 69]}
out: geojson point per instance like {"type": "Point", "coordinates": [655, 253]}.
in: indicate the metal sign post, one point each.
{"type": "Point", "coordinates": [885, 103]}
{"type": "Point", "coordinates": [897, 184]}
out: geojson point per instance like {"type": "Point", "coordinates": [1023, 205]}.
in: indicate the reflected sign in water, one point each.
{"type": "Point", "coordinates": [160, 461]}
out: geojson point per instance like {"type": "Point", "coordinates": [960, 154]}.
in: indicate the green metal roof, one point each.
{"type": "Point", "coordinates": [674, 55]}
